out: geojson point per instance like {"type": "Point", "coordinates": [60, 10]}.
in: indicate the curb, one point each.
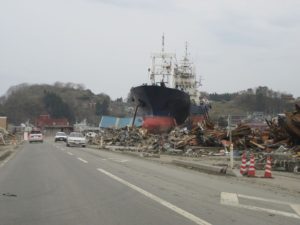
{"type": "Point", "coordinates": [124, 150]}
{"type": "Point", "coordinates": [217, 170]}
{"type": "Point", "coordinates": [5, 154]}
{"type": "Point", "coordinates": [234, 172]}
{"type": "Point", "coordinates": [9, 150]}
{"type": "Point", "coordinates": [202, 167]}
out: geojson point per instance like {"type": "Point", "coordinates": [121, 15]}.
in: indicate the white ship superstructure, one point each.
{"type": "Point", "coordinates": [185, 78]}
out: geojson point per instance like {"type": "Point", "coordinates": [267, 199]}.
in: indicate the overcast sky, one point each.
{"type": "Point", "coordinates": [106, 44]}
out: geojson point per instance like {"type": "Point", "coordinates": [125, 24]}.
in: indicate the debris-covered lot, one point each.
{"type": "Point", "coordinates": [8, 142]}
{"type": "Point", "coordinates": [7, 138]}
{"type": "Point", "coordinates": [280, 140]}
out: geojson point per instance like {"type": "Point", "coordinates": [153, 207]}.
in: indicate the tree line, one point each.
{"type": "Point", "coordinates": [26, 102]}
{"type": "Point", "coordinates": [261, 99]}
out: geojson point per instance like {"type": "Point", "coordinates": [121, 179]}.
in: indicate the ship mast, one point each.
{"type": "Point", "coordinates": [186, 51]}
{"type": "Point", "coordinates": [162, 68]}
{"type": "Point", "coordinates": [163, 43]}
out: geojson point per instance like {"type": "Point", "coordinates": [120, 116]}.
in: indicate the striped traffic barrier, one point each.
{"type": "Point", "coordinates": [243, 167]}
{"type": "Point", "coordinates": [251, 170]}
{"type": "Point", "coordinates": [268, 172]}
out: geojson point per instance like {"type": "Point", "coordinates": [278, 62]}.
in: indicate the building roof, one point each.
{"type": "Point", "coordinates": [47, 121]}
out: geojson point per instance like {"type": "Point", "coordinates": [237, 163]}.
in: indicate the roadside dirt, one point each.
{"type": "Point", "coordinates": [7, 150]}
{"type": "Point", "coordinates": [281, 181]}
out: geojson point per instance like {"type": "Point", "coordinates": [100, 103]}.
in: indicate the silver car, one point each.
{"type": "Point", "coordinates": [76, 139]}
{"type": "Point", "coordinates": [60, 136]}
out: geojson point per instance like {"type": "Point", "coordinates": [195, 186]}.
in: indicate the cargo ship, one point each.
{"type": "Point", "coordinates": [173, 95]}
{"type": "Point", "coordinates": [161, 105]}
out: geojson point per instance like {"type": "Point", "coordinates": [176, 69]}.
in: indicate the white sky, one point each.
{"type": "Point", "coordinates": [106, 44]}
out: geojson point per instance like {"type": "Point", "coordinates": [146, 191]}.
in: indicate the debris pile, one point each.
{"type": "Point", "coordinates": [7, 138]}
{"type": "Point", "coordinates": [178, 138]}
{"type": "Point", "coordinates": [291, 124]}
{"type": "Point", "coordinates": [4, 135]}
{"type": "Point", "coordinates": [243, 137]}
{"type": "Point", "coordinates": [280, 140]}
{"type": "Point", "coordinates": [129, 137]}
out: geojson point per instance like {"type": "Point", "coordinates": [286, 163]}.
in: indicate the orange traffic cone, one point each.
{"type": "Point", "coordinates": [268, 173]}
{"type": "Point", "coordinates": [243, 167]}
{"type": "Point", "coordinates": [251, 170]}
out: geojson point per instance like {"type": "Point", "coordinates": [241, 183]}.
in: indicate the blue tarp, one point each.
{"type": "Point", "coordinates": [117, 122]}
{"type": "Point", "coordinates": [108, 122]}
{"type": "Point", "coordinates": [138, 121]}
{"type": "Point", "coordinates": [123, 122]}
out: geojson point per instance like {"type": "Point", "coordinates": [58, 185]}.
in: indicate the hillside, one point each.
{"type": "Point", "coordinates": [25, 102]}
{"type": "Point", "coordinates": [260, 99]}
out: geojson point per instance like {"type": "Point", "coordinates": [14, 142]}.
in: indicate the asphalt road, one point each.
{"type": "Point", "coordinates": [50, 183]}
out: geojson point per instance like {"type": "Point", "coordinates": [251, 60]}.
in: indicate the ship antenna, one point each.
{"type": "Point", "coordinates": [186, 49]}
{"type": "Point", "coordinates": [163, 43]}
{"type": "Point", "coordinates": [200, 81]}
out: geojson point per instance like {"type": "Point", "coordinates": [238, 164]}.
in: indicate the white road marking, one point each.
{"type": "Point", "coordinates": [119, 160]}
{"type": "Point", "coordinates": [8, 158]}
{"type": "Point", "coordinates": [296, 208]}
{"type": "Point", "coordinates": [82, 160]}
{"type": "Point", "coordinates": [62, 149]}
{"type": "Point", "coordinates": [231, 199]}
{"type": "Point", "coordinates": [3, 163]}
{"type": "Point", "coordinates": [263, 199]}
{"type": "Point", "coordinates": [271, 211]}
{"type": "Point", "coordinates": [123, 160]}
{"type": "Point", "coordinates": [155, 198]}
{"type": "Point", "coordinates": [70, 153]}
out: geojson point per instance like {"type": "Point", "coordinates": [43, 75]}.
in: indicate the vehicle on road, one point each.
{"type": "Point", "coordinates": [35, 136]}
{"type": "Point", "coordinates": [76, 139]}
{"type": "Point", "coordinates": [60, 136]}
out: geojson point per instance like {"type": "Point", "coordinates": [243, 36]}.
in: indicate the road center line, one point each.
{"type": "Point", "coordinates": [155, 198]}
{"type": "Point", "coordinates": [82, 160]}
{"type": "Point", "coordinates": [70, 153]}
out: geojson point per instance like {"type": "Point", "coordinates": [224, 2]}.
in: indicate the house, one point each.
{"type": "Point", "coordinates": [3, 122]}
{"type": "Point", "coordinates": [52, 125]}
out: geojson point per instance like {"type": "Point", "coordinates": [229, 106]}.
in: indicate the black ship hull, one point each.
{"type": "Point", "coordinates": [161, 102]}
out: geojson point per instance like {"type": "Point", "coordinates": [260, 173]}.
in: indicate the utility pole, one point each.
{"type": "Point", "coordinates": [230, 140]}
{"type": "Point", "coordinates": [134, 116]}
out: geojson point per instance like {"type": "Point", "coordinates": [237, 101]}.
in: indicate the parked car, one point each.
{"type": "Point", "coordinates": [76, 139]}
{"type": "Point", "coordinates": [35, 136]}
{"type": "Point", "coordinates": [60, 136]}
